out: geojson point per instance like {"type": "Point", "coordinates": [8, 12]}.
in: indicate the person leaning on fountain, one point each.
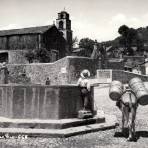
{"type": "Point", "coordinates": [83, 82]}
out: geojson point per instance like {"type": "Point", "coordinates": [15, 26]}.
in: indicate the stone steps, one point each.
{"type": "Point", "coordinates": [48, 124]}
{"type": "Point", "coordinates": [110, 122]}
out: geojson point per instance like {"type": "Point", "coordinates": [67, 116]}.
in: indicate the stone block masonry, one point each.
{"type": "Point", "coordinates": [36, 73]}
{"type": "Point", "coordinates": [77, 64]}
{"type": "Point", "coordinates": [61, 72]}
{"type": "Point", "coordinates": [39, 102]}
{"type": "Point", "coordinates": [13, 56]}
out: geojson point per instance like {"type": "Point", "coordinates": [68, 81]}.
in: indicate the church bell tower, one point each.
{"type": "Point", "coordinates": [63, 24]}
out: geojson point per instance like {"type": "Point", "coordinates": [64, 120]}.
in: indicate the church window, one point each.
{"type": "Point", "coordinates": [61, 24]}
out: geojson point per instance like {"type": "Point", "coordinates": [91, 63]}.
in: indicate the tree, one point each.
{"type": "Point", "coordinates": [42, 55]}
{"type": "Point", "coordinates": [88, 45]}
{"type": "Point", "coordinates": [30, 56]}
{"type": "Point", "coordinates": [140, 44]}
{"type": "Point", "coordinates": [129, 37]}
{"type": "Point", "coordinates": [123, 30]}
{"type": "Point", "coordinates": [131, 40]}
{"type": "Point", "coordinates": [74, 41]}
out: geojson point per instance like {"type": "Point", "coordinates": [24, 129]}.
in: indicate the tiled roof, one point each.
{"type": "Point", "coordinates": [115, 60]}
{"type": "Point", "coordinates": [31, 30]}
{"type": "Point", "coordinates": [78, 50]}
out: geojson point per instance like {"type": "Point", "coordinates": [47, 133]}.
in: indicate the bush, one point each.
{"type": "Point", "coordinates": [30, 56]}
{"type": "Point", "coordinates": [42, 55]}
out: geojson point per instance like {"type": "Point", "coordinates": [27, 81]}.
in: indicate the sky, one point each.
{"type": "Point", "coordinates": [96, 19]}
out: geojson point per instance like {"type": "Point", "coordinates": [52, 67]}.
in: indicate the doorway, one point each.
{"type": "Point", "coordinates": [4, 57]}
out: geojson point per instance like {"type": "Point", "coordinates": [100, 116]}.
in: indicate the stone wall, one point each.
{"type": "Point", "coordinates": [15, 56]}
{"type": "Point", "coordinates": [119, 64]}
{"type": "Point", "coordinates": [125, 76]}
{"type": "Point", "coordinates": [137, 59]}
{"type": "Point", "coordinates": [36, 73]}
{"type": "Point", "coordinates": [77, 64]}
{"type": "Point", "coordinates": [63, 71]}
{"type": "Point", "coordinates": [39, 101]}
{"type": "Point", "coordinates": [115, 64]}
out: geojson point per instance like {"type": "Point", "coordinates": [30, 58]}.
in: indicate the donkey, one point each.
{"type": "Point", "coordinates": [128, 105]}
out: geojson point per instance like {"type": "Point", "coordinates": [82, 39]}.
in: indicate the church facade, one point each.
{"type": "Point", "coordinates": [55, 38]}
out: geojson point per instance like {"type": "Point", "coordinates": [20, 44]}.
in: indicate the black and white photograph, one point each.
{"type": "Point", "coordinates": [73, 73]}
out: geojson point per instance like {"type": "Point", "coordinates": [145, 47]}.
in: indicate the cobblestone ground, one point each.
{"type": "Point", "coordinates": [102, 139]}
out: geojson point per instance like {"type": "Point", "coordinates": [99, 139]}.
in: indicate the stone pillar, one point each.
{"type": "Point", "coordinates": [4, 74]}
{"type": "Point", "coordinates": [39, 41]}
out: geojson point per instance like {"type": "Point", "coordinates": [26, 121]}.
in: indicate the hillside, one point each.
{"type": "Point", "coordinates": [142, 33]}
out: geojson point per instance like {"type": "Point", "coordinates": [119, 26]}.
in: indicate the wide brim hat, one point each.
{"type": "Point", "coordinates": [85, 73]}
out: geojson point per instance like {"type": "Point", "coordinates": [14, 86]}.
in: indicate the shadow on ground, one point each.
{"type": "Point", "coordinates": [121, 134]}
{"type": "Point", "coordinates": [139, 134]}
{"type": "Point", "coordinates": [142, 134]}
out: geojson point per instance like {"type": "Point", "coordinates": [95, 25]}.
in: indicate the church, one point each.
{"type": "Point", "coordinates": [56, 38]}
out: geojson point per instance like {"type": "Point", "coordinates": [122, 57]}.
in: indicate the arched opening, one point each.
{"type": "Point", "coordinates": [61, 24]}
{"type": "Point", "coordinates": [54, 55]}
{"type": "Point", "coordinates": [62, 16]}
{"type": "Point", "coordinates": [3, 57]}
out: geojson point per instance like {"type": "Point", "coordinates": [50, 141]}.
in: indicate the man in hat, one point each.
{"type": "Point", "coordinates": [128, 105]}
{"type": "Point", "coordinates": [83, 82]}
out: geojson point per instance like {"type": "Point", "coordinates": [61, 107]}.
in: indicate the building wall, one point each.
{"type": "Point", "coordinates": [17, 56]}
{"type": "Point", "coordinates": [53, 40]}
{"type": "Point", "coordinates": [14, 56]}
{"type": "Point", "coordinates": [3, 42]}
{"type": "Point", "coordinates": [14, 42]}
